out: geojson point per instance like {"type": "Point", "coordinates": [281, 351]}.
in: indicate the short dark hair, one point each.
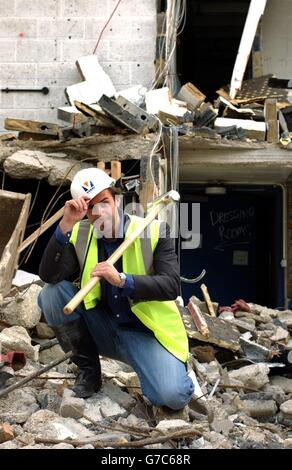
{"type": "Point", "coordinates": [115, 191]}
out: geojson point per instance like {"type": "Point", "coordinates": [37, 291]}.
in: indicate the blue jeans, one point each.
{"type": "Point", "coordinates": [163, 377]}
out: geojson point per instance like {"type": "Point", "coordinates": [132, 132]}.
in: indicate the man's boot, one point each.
{"type": "Point", "coordinates": [74, 336]}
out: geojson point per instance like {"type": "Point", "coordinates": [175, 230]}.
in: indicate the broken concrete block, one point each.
{"type": "Point", "coordinates": [286, 409]}
{"type": "Point", "coordinates": [117, 395]}
{"type": "Point", "coordinates": [129, 379]}
{"type": "Point", "coordinates": [49, 400]}
{"type": "Point", "coordinates": [99, 406]}
{"type": "Point", "coordinates": [171, 425]}
{"type": "Point", "coordinates": [288, 443]}
{"type": "Point", "coordinates": [47, 424]}
{"type": "Point", "coordinates": [6, 432]}
{"type": "Point", "coordinates": [280, 334]}
{"type": "Point", "coordinates": [222, 426]}
{"type": "Point", "coordinates": [286, 318]}
{"type": "Point", "coordinates": [92, 72]}
{"type": "Point", "coordinates": [63, 445]}
{"type": "Point", "coordinates": [16, 338]}
{"type": "Point", "coordinates": [23, 310]}
{"type": "Point", "coordinates": [18, 406]}
{"type": "Point", "coordinates": [43, 331]}
{"type": "Point", "coordinates": [283, 382]}
{"type": "Point", "coordinates": [35, 164]}
{"type": "Point", "coordinates": [24, 279]}
{"type": "Point", "coordinates": [217, 440]}
{"type": "Point", "coordinates": [254, 376]}
{"type": "Point", "coordinates": [72, 407]}
{"type": "Point", "coordinates": [253, 351]}
{"type": "Point", "coordinates": [51, 354]}
{"type": "Point", "coordinates": [260, 408]}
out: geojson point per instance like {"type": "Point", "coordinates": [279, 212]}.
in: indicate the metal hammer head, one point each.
{"type": "Point", "coordinates": [170, 196]}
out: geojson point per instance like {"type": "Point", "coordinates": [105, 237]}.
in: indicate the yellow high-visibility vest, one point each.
{"type": "Point", "coordinates": [161, 317]}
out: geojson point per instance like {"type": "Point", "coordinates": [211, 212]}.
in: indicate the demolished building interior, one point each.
{"type": "Point", "coordinates": [223, 141]}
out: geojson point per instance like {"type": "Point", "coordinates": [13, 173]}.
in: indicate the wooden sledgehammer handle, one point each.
{"type": "Point", "coordinates": [77, 299]}
{"type": "Point", "coordinates": [41, 230]}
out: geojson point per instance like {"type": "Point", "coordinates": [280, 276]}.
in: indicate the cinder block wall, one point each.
{"type": "Point", "coordinates": [277, 38]}
{"type": "Point", "coordinates": [40, 41]}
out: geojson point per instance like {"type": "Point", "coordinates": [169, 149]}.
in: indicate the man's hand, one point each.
{"type": "Point", "coordinates": [75, 210]}
{"type": "Point", "coordinates": [108, 272]}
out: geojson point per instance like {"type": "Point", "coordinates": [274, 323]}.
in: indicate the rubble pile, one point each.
{"type": "Point", "coordinates": [261, 111]}
{"type": "Point", "coordinates": [247, 385]}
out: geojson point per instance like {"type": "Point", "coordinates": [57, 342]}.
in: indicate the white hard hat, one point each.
{"type": "Point", "coordinates": [90, 182]}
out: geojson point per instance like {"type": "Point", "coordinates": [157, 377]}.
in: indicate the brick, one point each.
{"type": "Point", "coordinates": [142, 72]}
{"type": "Point", "coordinates": [117, 71]}
{"type": "Point", "coordinates": [71, 49]}
{"type": "Point", "coordinates": [7, 8]}
{"type": "Point", "coordinates": [33, 8]}
{"type": "Point", "coordinates": [134, 7]}
{"type": "Point", "coordinates": [144, 28]}
{"type": "Point", "coordinates": [135, 50]}
{"type": "Point", "coordinates": [32, 49]}
{"type": "Point", "coordinates": [61, 28]}
{"type": "Point", "coordinates": [84, 8]}
{"type": "Point", "coordinates": [12, 27]}
{"type": "Point", "coordinates": [7, 50]}
{"type": "Point", "coordinates": [117, 28]}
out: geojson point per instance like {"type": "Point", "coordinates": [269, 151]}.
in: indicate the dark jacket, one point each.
{"type": "Point", "coordinates": [60, 263]}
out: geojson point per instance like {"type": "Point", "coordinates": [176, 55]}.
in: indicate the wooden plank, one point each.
{"type": "Point", "coordinates": [256, 10]}
{"type": "Point", "coordinates": [221, 333]}
{"type": "Point", "coordinates": [95, 112]}
{"type": "Point", "coordinates": [198, 318]}
{"type": "Point", "coordinates": [35, 136]}
{"type": "Point", "coordinates": [116, 169]}
{"type": "Point", "coordinates": [208, 301]}
{"type": "Point", "coordinates": [191, 95]}
{"type": "Point", "coordinates": [14, 208]}
{"type": "Point", "coordinates": [101, 165]}
{"type": "Point", "coordinates": [26, 125]}
{"type": "Point", "coordinates": [271, 115]}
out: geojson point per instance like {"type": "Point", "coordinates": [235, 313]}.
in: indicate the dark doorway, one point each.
{"type": "Point", "coordinates": [241, 245]}
{"type": "Point", "coordinates": [208, 45]}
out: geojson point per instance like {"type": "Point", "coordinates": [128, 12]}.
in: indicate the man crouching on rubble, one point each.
{"type": "Point", "coordinates": [130, 315]}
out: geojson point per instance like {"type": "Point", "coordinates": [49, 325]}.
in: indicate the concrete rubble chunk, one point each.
{"type": "Point", "coordinates": [47, 424]}
{"type": "Point", "coordinates": [23, 310]}
{"type": "Point", "coordinates": [254, 376]}
{"type": "Point", "coordinates": [280, 334]}
{"type": "Point", "coordinates": [216, 440]}
{"type": "Point", "coordinates": [286, 409]}
{"type": "Point", "coordinates": [62, 445]}
{"type": "Point", "coordinates": [288, 443]}
{"type": "Point", "coordinates": [16, 338]}
{"type": "Point", "coordinates": [260, 408]}
{"type": "Point", "coordinates": [129, 379]}
{"type": "Point", "coordinates": [117, 395]}
{"type": "Point", "coordinates": [43, 331]}
{"type": "Point", "coordinates": [38, 165]}
{"type": "Point", "coordinates": [133, 420]}
{"type": "Point", "coordinates": [51, 354]}
{"type": "Point", "coordinates": [72, 407]}
{"type": "Point", "coordinates": [48, 399]}
{"type": "Point", "coordinates": [171, 425]}
{"type": "Point", "coordinates": [283, 382]}
{"type": "Point", "coordinates": [286, 318]}
{"type": "Point", "coordinates": [18, 406]}
{"type": "Point", "coordinates": [222, 426]}
{"type": "Point", "coordinates": [99, 406]}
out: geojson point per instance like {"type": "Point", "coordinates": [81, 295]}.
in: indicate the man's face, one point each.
{"type": "Point", "coordinates": [102, 213]}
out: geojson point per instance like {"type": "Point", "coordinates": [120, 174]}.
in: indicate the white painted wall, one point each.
{"type": "Point", "coordinates": [41, 40]}
{"type": "Point", "coordinates": [277, 38]}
